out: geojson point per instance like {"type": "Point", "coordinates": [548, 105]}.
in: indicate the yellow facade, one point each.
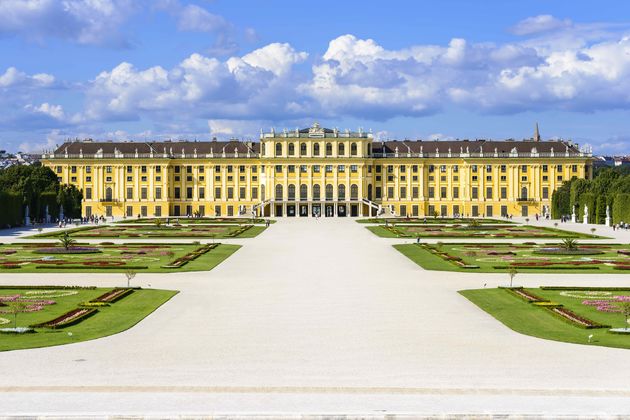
{"type": "Point", "coordinates": [318, 171]}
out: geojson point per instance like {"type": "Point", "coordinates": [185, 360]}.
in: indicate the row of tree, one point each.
{"type": "Point", "coordinates": [38, 188]}
{"type": "Point", "coordinates": [610, 187]}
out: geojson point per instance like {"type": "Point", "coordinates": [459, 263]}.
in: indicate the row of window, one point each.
{"type": "Point", "coordinates": [341, 149]}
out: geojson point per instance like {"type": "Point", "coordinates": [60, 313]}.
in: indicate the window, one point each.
{"type": "Point", "coordinates": [443, 168]}
{"type": "Point", "coordinates": [229, 169]}
{"type": "Point", "coordinates": [378, 193]}
{"type": "Point", "coordinates": [202, 193]}
{"type": "Point", "coordinates": [303, 169]}
{"type": "Point", "coordinates": [503, 193]}
{"type": "Point", "coordinates": [158, 193]}
{"type": "Point", "coordinates": [378, 169]}
{"type": "Point", "coordinates": [108, 169]}
{"type": "Point", "coordinates": [545, 168]}
{"type": "Point", "coordinates": [143, 169]}
{"type": "Point", "coordinates": [431, 192]}
{"type": "Point", "coordinates": [524, 193]}
{"type": "Point", "coordinates": [341, 168]}
{"type": "Point", "coordinates": [390, 169]}
{"type": "Point", "coordinates": [241, 193]}
{"type": "Point", "coordinates": [475, 193]}
{"type": "Point", "coordinates": [158, 170]}
{"type": "Point", "coordinates": [442, 192]}
{"type": "Point", "coordinates": [230, 193]}
{"type": "Point", "coordinates": [217, 193]}
{"type": "Point", "coordinates": [474, 169]}
{"type": "Point", "coordinates": [316, 149]}
{"type": "Point", "coordinates": [503, 169]}
{"type": "Point", "coordinates": [108, 194]}
{"type": "Point", "coordinates": [129, 193]}
{"type": "Point", "coordinates": [303, 192]}
{"type": "Point", "coordinates": [489, 178]}
{"type": "Point", "coordinates": [523, 168]}
{"type": "Point", "coordinates": [278, 149]}
{"type": "Point", "coordinates": [414, 169]}
{"type": "Point", "coordinates": [88, 169]}
{"type": "Point", "coordinates": [241, 169]}
{"type": "Point", "coordinates": [143, 179]}
{"type": "Point", "coordinates": [73, 179]}
{"type": "Point", "coordinates": [474, 178]}
{"type": "Point", "coordinates": [190, 178]}
{"type": "Point", "coordinates": [73, 169]}
{"type": "Point", "coordinates": [316, 192]}
{"type": "Point", "coordinates": [189, 193]}
{"type": "Point", "coordinates": [254, 193]}
{"type": "Point", "coordinates": [316, 168]}
{"type": "Point", "coordinates": [158, 211]}
{"type": "Point", "coordinates": [524, 178]}
{"type": "Point", "coordinates": [279, 192]}
{"type": "Point", "coordinates": [354, 192]}
{"type": "Point", "coordinates": [559, 168]}
{"type": "Point", "coordinates": [574, 168]}
{"type": "Point", "coordinates": [455, 192]}
{"type": "Point", "coordinates": [129, 179]}
{"type": "Point", "coordinates": [354, 168]}
{"type": "Point", "coordinates": [545, 178]}
{"type": "Point", "coordinates": [503, 178]}
{"type": "Point", "coordinates": [545, 193]}
{"type": "Point", "coordinates": [278, 168]}
{"type": "Point", "coordinates": [88, 193]}
{"type": "Point", "coordinates": [402, 168]}
{"type": "Point", "coordinates": [177, 193]}
{"type": "Point", "coordinates": [200, 169]}
{"type": "Point", "coordinates": [291, 169]}
{"type": "Point", "coordinates": [291, 192]}
{"type": "Point", "coordinates": [129, 169]}
{"type": "Point", "coordinates": [488, 168]}
{"type": "Point", "coordinates": [328, 149]}
{"type": "Point", "coordinates": [353, 149]}
{"type": "Point", "coordinates": [559, 177]}
{"type": "Point", "coordinates": [341, 192]}
{"type": "Point", "coordinates": [217, 168]}
{"type": "Point", "coordinates": [291, 149]}
{"type": "Point", "coordinates": [129, 211]}
{"type": "Point", "coordinates": [329, 192]}
{"type": "Point", "coordinates": [329, 168]}
{"type": "Point", "coordinates": [143, 193]}
{"type": "Point", "coordinates": [489, 193]}
{"type": "Point", "coordinates": [390, 192]}
{"type": "Point", "coordinates": [341, 149]}
{"type": "Point", "coordinates": [217, 211]}
{"type": "Point", "coordinates": [403, 192]}
{"type": "Point", "coordinates": [455, 168]}
{"type": "Point", "coordinates": [414, 192]}
{"type": "Point", "coordinates": [303, 149]}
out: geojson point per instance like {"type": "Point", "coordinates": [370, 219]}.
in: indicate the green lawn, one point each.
{"type": "Point", "coordinates": [197, 220]}
{"type": "Point", "coordinates": [119, 316]}
{"type": "Point", "coordinates": [495, 231]}
{"type": "Point", "coordinates": [147, 231]}
{"type": "Point", "coordinates": [141, 257]}
{"type": "Point", "coordinates": [490, 258]}
{"type": "Point", "coordinates": [529, 319]}
{"type": "Point", "coordinates": [432, 220]}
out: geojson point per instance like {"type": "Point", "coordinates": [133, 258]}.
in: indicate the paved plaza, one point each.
{"type": "Point", "coordinates": [317, 316]}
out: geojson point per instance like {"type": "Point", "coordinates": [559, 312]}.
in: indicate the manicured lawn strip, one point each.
{"type": "Point", "coordinates": [141, 257]}
{"type": "Point", "coordinates": [197, 220]}
{"type": "Point", "coordinates": [432, 220]}
{"type": "Point", "coordinates": [421, 254]}
{"type": "Point", "coordinates": [147, 231]}
{"type": "Point", "coordinates": [526, 232]}
{"type": "Point", "coordinates": [109, 320]}
{"type": "Point", "coordinates": [528, 319]}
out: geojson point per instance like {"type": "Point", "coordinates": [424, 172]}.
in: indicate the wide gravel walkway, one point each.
{"type": "Point", "coordinates": [316, 316]}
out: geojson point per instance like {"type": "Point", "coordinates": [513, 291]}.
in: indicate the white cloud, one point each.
{"type": "Point", "coordinates": [195, 18]}
{"type": "Point", "coordinates": [12, 77]}
{"type": "Point", "coordinates": [53, 111]}
{"type": "Point", "coordinates": [539, 24]}
{"type": "Point", "coordinates": [93, 22]}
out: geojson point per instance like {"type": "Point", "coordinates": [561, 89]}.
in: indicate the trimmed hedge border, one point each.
{"type": "Point", "coordinates": [542, 267]}
{"type": "Point", "coordinates": [193, 255]}
{"type": "Point", "coordinates": [112, 296]}
{"type": "Point", "coordinates": [93, 267]}
{"type": "Point", "coordinates": [573, 318]}
{"type": "Point", "coordinates": [48, 287]}
{"type": "Point", "coordinates": [586, 288]}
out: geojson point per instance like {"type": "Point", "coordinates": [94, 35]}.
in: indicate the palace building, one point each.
{"type": "Point", "coordinates": [318, 171]}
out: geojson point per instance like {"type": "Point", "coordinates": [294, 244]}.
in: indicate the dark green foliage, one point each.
{"type": "Point", "coordinates": [561, 201]}
{"type": "Point", "coordinates": [35, 187]}
{"type": "Point", "coordinates": [621, 208]}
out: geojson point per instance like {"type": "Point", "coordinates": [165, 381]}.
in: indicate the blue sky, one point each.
{"type": "Point", "coordinates": [140, 69]}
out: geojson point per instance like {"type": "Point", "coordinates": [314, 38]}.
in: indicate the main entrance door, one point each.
{"type": "Point", "coordinates": [278, 210]}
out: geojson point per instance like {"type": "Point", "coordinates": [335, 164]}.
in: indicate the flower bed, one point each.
{"type": "Point", "coordinates": [524, 294]}
{"type": "Point", "coordinates": [575, 319]}
{"type": "Point", "coordinates": [112, 296]}
{"type": "Point", "coordinates": [82, 267]}
{"type": "Point", "coordinates": [185, 259]}
{"type": "Point", "coordinates": [71, 250]}
{"type": "Point", "coordinates": [72, 317]}
{"type": "Point", "coordinates": [564, 251]}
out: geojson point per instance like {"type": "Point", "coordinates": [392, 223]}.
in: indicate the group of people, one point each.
{"type": "Point", "coordinates": [621, 225]}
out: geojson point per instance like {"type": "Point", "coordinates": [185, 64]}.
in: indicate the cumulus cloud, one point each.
{"type": "Point", "coordinates": [195, 18]}
{"type": "Point", "coordinates": [94, 22]}
{"type": "Point", "coordinates": [12, 77]}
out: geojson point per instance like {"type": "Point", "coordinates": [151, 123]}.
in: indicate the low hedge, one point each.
{"type": "Point", "coordinates": [58, 322]}
{"type": "Point", "coordinates": [543, 267]}
{"type": "Point", "coordinates": [586, 288]}
{"type": "Point", "coordinates": [49, 287]}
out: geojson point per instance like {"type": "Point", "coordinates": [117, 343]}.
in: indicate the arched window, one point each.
{"type": "Point", "coordinates": [278, 149]}
{"type": "Point", "coordinates": [328, 149]}
{"type": "Point", "coordinates": [303, 192]}
{"type": "Point", "coordinates": [303, 149]}
{"type": "Point", "coordinates": [291, 149]}
{"type": "Point", "coordinates": [262, 192]}
{"type": "Point", "coordinates": [108, 194]}
{"type": "Point", "coordinates": [369, 191]}
{"type": "Point", "coordinates": [341, 149]}
{"type": "Point", "coordinates": [524, 193]}
{"type": "Point", "coordinates": [316, 192]}
{"type": "Point", "coordinates": [329, 192]}
{"type": "Point", "coordinates": [341, 192]}
{"type": "Point", "coordinates": [291, 192]}
{"type": "Point", "coordinates": [316, 149]}
{"type": "Point", "coordinates": [369, 150]}
{"type": "Point", "coordinates": [279, 192]}
{"type": "Point", "coordinates": [263, 149]}
{"type": "Point", "coordinates": [354, 192]}
{"type": "Point", "coordinates": [353, 149]}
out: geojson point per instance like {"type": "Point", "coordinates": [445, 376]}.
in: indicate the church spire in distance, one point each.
{"type": "Point", "coordinates": [536, 133]}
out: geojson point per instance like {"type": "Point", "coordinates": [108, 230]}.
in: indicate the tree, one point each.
{"type": "Point", "coordinates": [15, 308]}
{"type": "Point", "coordinates": [625, 311]}
{"type": "Point", "coordinates": [130, 274]}
{"type": "Point", "coordinates": [66, 241]}
{"type": "Point", "coordinates": [512, 272]}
